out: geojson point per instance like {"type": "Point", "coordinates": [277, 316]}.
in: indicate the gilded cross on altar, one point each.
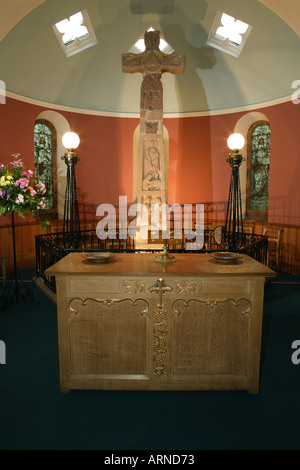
{"type": "Point", "coordinates": [160, 288]}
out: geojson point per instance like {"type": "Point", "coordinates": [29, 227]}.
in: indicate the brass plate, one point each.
{"type": "Point", "coordinates": [226, 257]}
{"type": "Point", "coordinates": [97, 257]}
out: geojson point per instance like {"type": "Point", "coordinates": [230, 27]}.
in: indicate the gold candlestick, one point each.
{"type": "Point", "coordinates": [165, 257]}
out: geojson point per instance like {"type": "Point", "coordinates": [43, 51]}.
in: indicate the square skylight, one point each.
{"type": "Point", "coordinates": [139, 46]}
{"type": "Point", "coordinates": [75, 33]}
{"type": "Point", "coordinates": [228, 34]}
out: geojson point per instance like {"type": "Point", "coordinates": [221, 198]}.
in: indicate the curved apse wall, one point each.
{"type": "Point", "coordinates": [202, 106]}
{"type": "Point", "coordinates": [198, 172]}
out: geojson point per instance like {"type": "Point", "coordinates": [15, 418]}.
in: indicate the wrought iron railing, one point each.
{"type": "Point", "coordinates": [50, 248]}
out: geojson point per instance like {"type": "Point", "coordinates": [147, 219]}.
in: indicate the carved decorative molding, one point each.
{"type": "Point", "coordinates": [160, 334]}
{"type": "Point", "coordinates": [186, 287]}
{"type": "Point", "coordinates": [160, 330]}
{"type": "Point", "coordinates": [107, 303]}
{"type": "Point", "coordinates": [212, 303]}
{"type": "Point", "coordinates": [132, 287]}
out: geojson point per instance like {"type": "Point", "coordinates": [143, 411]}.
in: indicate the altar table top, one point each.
{"type": "Point", "coordinates": [190, 264]}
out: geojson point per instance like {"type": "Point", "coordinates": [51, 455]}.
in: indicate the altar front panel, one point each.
{"type": "Point", "coordinates": [122, 352]}
{"type": "Point", "coordinates": [209, 340]}
{"type": "Point", "coordinates": [160, 330]}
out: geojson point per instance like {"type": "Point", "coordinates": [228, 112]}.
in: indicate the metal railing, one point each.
{"type": "Point", "coordinates": [50, 248]}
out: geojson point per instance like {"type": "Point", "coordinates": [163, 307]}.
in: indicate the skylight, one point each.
{"type": "Point", "coordinates": [75, 33]}
{"type": "Point", "coordinates": [228, 34]}
{"type": "Point", "coordinates": [139, 46]}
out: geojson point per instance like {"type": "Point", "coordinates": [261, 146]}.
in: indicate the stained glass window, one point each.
{"type": "Point", "coordinates": [259, 159]}
{"type": "Point", "coordinates": [45, 160]}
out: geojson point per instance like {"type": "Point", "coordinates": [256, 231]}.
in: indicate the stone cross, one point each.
{"type": "Point", "coordinates": [151, 171]}
{"type": "Point", "coordinates": [152, 60]}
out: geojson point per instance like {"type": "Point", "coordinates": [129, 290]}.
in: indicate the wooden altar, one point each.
{"type": "Point", "coordinates": [135, 324]}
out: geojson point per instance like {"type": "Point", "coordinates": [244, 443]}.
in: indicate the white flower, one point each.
{"type": "Point", "coordinates": [19, 199]}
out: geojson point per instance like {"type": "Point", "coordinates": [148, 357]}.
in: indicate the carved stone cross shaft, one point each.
{"type": "Point", "coordinates": [160, 289]}
{"type": "Point", "coordinates": [151, 184]}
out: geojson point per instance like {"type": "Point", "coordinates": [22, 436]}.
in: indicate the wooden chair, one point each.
{"type": "Point", "coordinates": [248, 229]}
{"type": "Point", "coordinates": [274, 237]}
{"type": "Point", "coordinates": [2, 261]}
{"type": "Point", "coordinates": [218, 234]}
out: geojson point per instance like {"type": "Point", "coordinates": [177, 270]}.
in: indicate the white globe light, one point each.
{"type": "Point", "coordinates": [70, 140]}
{"type": "Point", "coordinates": [236, 142]}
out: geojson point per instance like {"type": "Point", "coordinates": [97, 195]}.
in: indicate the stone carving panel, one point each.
{"type": "Point", "coordinates": [151, 165]}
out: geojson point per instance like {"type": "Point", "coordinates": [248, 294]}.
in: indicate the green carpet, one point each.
{"type": "Point", "coordinates": [35, 416]}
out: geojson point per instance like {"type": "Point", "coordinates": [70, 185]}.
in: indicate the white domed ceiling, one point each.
{"type": "Point", "coordinates": [34, 66]}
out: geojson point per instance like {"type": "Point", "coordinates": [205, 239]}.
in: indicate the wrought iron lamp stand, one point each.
{"type": "Point", "coordinates": [71, 224]}
{"type": "Point", "coordinates": [234, 216]}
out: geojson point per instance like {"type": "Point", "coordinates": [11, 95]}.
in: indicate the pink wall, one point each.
{"type": "Point", "coordinates": [284, 205]}
{"type": "Point", "coordinates": [105, 170]}
{"type": "Point", "coordinates": [198, 172]}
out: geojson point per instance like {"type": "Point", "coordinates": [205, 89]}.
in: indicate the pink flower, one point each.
{"type": "Point", "coordinates": [28, 173]}
{"type": "Point", "coordinates": [22, 183]}
{"type": "Point", "coordinates": [17, 163]}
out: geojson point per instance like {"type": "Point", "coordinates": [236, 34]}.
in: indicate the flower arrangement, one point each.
{"type": "Point", "coordinates": [19, 192]}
